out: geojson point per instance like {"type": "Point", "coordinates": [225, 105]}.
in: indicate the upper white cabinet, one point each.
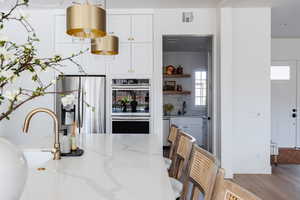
{"type": "Point", "coordinates": [133, 59]}
{"type": "Point", "coordinates": [120, 25]}
{"type": "Point", "coordinates": [142, 59]}
{"type": "Point", "coordinates": [131, 28]}
{"type": "Point", "coordinates": [136, 48]}
{"type": "Point", "coordinates": [141, 28]}
{"type": "Point", "coordinates": [121, 63]}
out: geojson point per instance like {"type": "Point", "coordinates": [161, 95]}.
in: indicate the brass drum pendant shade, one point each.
{"type": "Point", "coordinates": [108, 45]}
{"type": "Point", "coordinates": [86, 21]}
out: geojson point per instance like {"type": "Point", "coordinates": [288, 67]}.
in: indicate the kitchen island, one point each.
{"type": "Point", "coordinates": [113, 167]}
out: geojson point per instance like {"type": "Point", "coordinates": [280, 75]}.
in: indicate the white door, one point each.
{"type": "Point", "coordinates": [120, 25]}
{"type": "Point", "coordinates": [142, 28]}
{"type": "Point", "coordinates": [142, 58]}
{"type": "Point", "coordinates": [284, 103]}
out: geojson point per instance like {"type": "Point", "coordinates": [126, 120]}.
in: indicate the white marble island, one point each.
{"type": "Point", "coordinates": [114, 167]}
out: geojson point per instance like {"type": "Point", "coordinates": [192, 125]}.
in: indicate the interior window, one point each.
{"type": "Point", "coordinates": [200, 88]}
{"type": "Point", "coordinates": [280, 72]}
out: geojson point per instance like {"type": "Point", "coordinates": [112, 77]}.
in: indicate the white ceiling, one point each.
{"type": "Point", "coordinates": [286, 19]}
{"type": "Point", "coordinates": [145, 3]}
{"type": "Point", "coordinates": [285, 13]}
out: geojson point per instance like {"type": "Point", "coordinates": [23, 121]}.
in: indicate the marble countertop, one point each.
{"type": "Point", "coordinates": [114, 167]}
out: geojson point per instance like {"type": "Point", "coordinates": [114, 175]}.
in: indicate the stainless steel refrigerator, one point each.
{"type": "Point", "coordinates": [81, 98]}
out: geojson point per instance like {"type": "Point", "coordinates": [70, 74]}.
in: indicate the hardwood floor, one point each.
{"type": "Point", "coordinates": [283, 184]}
{"type": "Point", "coordinates": [289, 156]}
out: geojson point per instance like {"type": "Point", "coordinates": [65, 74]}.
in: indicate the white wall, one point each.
{"type": "Point", "coordinates": [42, 124]}
{"type": "Point", "coordinates": [285, 49]}
{"type": "Point", "coordinates": [246, 107]}
{"type": "Point", "coordinates": [169, 22]}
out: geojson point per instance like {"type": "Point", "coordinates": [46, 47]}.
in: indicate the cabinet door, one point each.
{"type": "Point", "coordinates": [121, 63]}
{"type": "Point", "coordinates": [142, 28]}
{"type": "Point", "coordinates": [142, 58]}
{"type": "Point", "coordinates": [120, 25]}
{"type": "Point", "coordinates": [96, 64]}
{"type": "Point", "coordinates": [166, 131]}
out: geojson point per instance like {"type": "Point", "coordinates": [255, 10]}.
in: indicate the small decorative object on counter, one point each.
{"type": "Point", "coordinates": [168, 109]}
{"type": "Point", "coordinates": [75, 151]}
{"type": "Point", "coordinates": [179, 70]}
{"type": "Point", "coordinates": [170, 70]}
{"type": "Point", "coordinates": [179, 88]}
{"type": "Point", "coordinates": [73, 137]}
{"type": "Point", "coordinates": [66, 143]}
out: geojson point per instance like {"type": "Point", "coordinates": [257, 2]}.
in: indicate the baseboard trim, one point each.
{"type": "Point", "coordinates": [267, 171]}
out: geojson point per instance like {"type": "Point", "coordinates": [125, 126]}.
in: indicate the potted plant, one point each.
{"type": "Point", "coordinates": [168, 108]}
{"type": "Point", "coordinates": [17, 61]}
{"type": "Point", "coordinates": [124, 102]}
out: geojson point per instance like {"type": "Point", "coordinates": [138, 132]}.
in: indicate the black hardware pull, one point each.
{"type": "Point", "coordinates": [294, 110]}
{"type": "Point", "coordinates": [294, 115]}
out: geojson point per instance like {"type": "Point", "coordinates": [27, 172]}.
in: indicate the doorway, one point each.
{"type": "Point", "coordinates": [284, 103]}
{"type": "Point", "coordinates": [187, 84]}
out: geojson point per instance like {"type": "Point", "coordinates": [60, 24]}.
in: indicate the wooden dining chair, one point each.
{"type": "Point", "coordinates": [228, 190]}
{"type": "Point", "coordinates": [180, 162]}
{"type": "Point", "coordinates": [201, 175]}
{"type": "Point", "coordinates": [173, 140]}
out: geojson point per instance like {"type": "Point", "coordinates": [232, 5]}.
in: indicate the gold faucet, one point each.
{"type": "Point", "coordinates": [56, 149]}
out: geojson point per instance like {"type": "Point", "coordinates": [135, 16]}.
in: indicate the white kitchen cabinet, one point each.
{"type": "Point", "coordinates": [133, 59]}
{"type": "Point", "coordinates": [192, 126]}
{"type": "Point", "coordinates": [121, 63]}
{"type": "Point", "coordinates": [141, 28]}
{"type": "Point", "coordinates": [166, 131]}
{"type": "Point", "coordinates": [91, 64]}
{"type": "Point", "coordinates": [131, 28]}
{"type": "Point", "coordinates": [120, 25]}
{"type": "Point", "coordinates": [142, 58]}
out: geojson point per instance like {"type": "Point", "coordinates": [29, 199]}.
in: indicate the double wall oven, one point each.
{"type": "Point", "coordinates": [131, 106]}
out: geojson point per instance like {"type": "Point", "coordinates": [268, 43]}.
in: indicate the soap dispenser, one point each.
{"type": "Point", "coordinates": [66, 144]}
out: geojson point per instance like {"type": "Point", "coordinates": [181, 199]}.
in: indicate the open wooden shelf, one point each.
{"type": "Point", "coordinates": [177, 76]}
{"type": "Point", "coordinates": [176, 93]}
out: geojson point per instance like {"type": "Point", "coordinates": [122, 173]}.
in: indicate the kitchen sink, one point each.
{"type": "Point", "coordinates": [37, 158]}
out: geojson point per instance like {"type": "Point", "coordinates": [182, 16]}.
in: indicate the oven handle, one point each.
{"type": "Point", "coordinates": [130, 119]}
{"type": "Point", "coordinates": [130, 88]}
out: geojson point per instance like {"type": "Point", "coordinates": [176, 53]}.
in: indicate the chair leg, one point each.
{"type": "Point", "coordinates": [276, 160]}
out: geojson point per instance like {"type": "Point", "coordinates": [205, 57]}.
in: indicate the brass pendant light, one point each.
{"type": "Point", "coordinates": [108, 45]}
{"type": "Point", "coordinates": [86, 21]}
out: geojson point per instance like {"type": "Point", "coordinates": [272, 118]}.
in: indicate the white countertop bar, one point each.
{"type": "Point", "coordinates": [114, 167]}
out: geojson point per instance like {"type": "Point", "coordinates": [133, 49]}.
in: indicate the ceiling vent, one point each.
{"type": "Point", "coordinates": [187, 17]}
